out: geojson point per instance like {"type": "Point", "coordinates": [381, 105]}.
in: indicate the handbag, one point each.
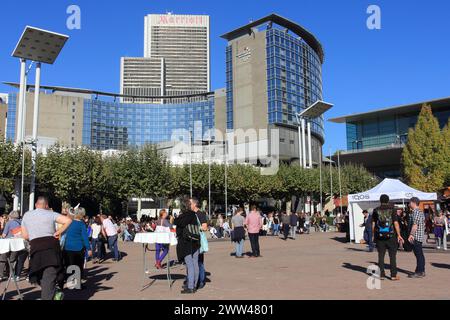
{"type": "Point", "coordinates": [204, 246]}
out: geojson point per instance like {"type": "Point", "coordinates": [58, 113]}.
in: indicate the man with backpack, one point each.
{"type": "Point", "coordinates": [386, 230]}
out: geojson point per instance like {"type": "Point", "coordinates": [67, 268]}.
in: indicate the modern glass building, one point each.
{"type": "Point", "coordinates": [274, 72]}
{"type": "Point", "coordinates": [72, 117]}
{"type": "Point", "coordinates": [112, 125]}
{"type": "Point", "coordinates": [376, 138]}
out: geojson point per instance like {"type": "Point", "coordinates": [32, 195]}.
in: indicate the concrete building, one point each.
{"type": "Point", "coordinates": [3, 119]}
{"type": "Point", "coordinates": [376, 138]}
{"type": "Point", "coordinates": [176, 59]}
{"type": "Point", "coordinates": [274, 72]}
{"type": "Point", "coordinates": [60, 118]}
{"type": "Point", "coordinates": [76, 117]}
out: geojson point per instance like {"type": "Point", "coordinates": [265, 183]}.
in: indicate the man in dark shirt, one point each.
{"type": "Point", "coordinates": [202, 217]}
{"type": "Point", "coordinates": [367, 225]}
{"type": "Point", "coordinates": [386, 230]}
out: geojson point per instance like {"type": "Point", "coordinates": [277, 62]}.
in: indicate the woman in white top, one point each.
{"type": "Point", "coordinates": [97, 244]}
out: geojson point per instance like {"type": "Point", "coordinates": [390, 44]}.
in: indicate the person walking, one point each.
{"type": "Point", "coordinates": [253, 223]}
{"type": "Point", "coordinates": [293, 224]}
{"type": "Point", "coordinates": [77, 242]}
{"type": "Point", "coordinates": [285, 225]}
{"type": "Point", "coordinates": [162, 249]}
{"type": "Point", "coordinates": [203, 219]}
{"type": "Point", "coordinates": [109, 231]}
{"type": "Point", "coordinates": [367, 225]}
{"type": "Point", "coordinates": [188, 247]}
{"type": "Point", "coordinates": [386, 230]}
{"type": "Point", "coordinates": [276, 225]}
{"type": "Point", "coordinates": [98, 247]}
{"type": "Point", "coordinates": [439, 229]}
{"type": "Point", "coordinates": [237, 223]}
{"type": "Point", "coordinates": [417, 236]}
{"type": "Point", "coordinates": [12, 229]}
{"type": "Point", "coordinates": [46, 265]}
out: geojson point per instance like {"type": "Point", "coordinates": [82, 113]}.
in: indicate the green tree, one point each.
{"type": "Point", "coordinates": [423, 156]}
{"type": "Point", "coordinates": [446, 150]}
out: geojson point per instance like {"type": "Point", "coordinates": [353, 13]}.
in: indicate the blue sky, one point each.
{"type": "Point", "coordinates": [408, 60]}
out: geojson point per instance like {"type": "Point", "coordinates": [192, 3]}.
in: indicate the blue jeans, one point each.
{"type": "Point", "coordinates": [112, 242]}
{"type": "Point", "coordinates": [239, 248]}
{"type": "Point", "coordinates": [368, 238]}
{"type": "Point", "coordinates": [201, 272]}
{"type": "Point", "coordinates": [418, 252]}
{"type": "Point", "coordinates": [276, 229]}
{"type": "Point", "coordinates": [97, 249]}
{"type": "Point", "coordinates": [192, 269]}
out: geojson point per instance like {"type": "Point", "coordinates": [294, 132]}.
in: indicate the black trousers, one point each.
{"type": "Point", "coordinates": [254, 242]}
{"type": "Point", "coordinates": [74, 258]}
{"type": "Point", "coordinates": [286, 229]}
{"type": "Point", "coordinates": [420, 258]}
{"type": "Point", "coordinates": [391, 246]}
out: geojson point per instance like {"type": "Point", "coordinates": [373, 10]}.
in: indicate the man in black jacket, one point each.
{"type": "Point", "coordinates": [293, 222]}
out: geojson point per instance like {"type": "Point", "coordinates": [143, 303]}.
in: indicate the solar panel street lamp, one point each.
{"type": "Point", "coordinates": [39, 46]}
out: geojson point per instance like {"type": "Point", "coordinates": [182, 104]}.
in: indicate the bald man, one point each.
{"type": "Point", "coordinates": [39, 227]}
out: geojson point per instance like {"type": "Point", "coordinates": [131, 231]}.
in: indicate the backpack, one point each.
{"type": "Point", "coordinates": [385, 224]}
{"type": "Point", "coordinates": [192, 232]}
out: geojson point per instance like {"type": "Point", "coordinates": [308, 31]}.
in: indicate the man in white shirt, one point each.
{"type": "Point", "coordinates": [109, 231]}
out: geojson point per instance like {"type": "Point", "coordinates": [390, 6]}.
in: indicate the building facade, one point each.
{"type": "Point", "coordinates": [376, 139]}
{"type": "Point", "coordinates": [3, 120]}
{"type": "Point", "coordinates": [274, 72]}
{"type": "Point", "coordinates": [72, 119]}
{"type": "Point", "coordinates": [176, 59]}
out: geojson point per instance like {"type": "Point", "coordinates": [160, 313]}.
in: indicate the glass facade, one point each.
{"type": "Point", "coordinates": [11, 126]}
{"type": "Point", "coordinates": [294, 78]}
{"type": "Point", "coordinates": [111, 125]}
{"type": "Point", "coordinates": [229, 86]}
{"type": "Point", "coordinates": [383, 131]}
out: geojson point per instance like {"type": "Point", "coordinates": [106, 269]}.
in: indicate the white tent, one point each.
{"type": "Point", "coordinates": [369, 200]}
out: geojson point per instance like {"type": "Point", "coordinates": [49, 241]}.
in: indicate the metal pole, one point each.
{"type": "Point", "coordinates": [300, 158]}
{"type": "Point", "coordinates": [310, 146]}
{"type": "Point", "coordinates": [304, 143]}
{"type": "Point", "coordinates": [331, 180]}
{"type": "Point", "coordinates": [22, 90]}
{"type": "Point", "coordinates": [320, 173]}
{"type": "Point", "coordinates": [340, 185]}
{"type": "Point", "coordinates": [226, 177]}
{"type": "Point", "coordinates": [209, 179]}
{"type": "Point", "coordinates": [35, 135]}
{"type": "Point", "coordinates": [190, 161]}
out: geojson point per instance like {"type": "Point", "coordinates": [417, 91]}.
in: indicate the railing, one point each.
{"type": "Point", "coordinates": [379, 142]}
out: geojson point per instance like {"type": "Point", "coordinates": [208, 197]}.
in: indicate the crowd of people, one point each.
{"type": "Point", "coordinates": [389, 228]}
{"type": "Point", "coordinates": [53, 243]}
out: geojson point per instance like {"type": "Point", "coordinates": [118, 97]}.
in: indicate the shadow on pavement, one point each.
{"type": "Point", "coordinates": [94, 280]}
{"type": "Point", "coordinates": [441, 265]}
{"type": "Point", "coordinates": [353, 267]}
{"type": "Point", "coordinates": [340, 239]}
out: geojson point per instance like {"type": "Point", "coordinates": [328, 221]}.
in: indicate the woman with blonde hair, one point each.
{"type": "Point", "coordinates": [77, 241]}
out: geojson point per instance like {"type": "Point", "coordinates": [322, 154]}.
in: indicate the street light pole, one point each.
{"type": "Point", "coordinates": [226, 176]}
{"type": "Point", "coordinates": [209, 178]}
{"type": "Point", "coordinates": [190, 161]}
{"type": "Point", "coordinates": [35, 135]}
{"type": "Point", "coordinates": [340, 185]}
{"type": "Point", "coordinates": [320, 173]}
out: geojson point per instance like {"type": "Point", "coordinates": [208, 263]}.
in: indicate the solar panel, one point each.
{"type": "Point", "coordinates": [316, 110]}
{"type": "Point", "coordinates": [39, 45]}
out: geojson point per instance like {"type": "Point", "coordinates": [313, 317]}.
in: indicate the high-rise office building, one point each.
{"type": "Point", "coordinates": [176, 58]}
{"type": "Point", "coordinates": [274, 72]}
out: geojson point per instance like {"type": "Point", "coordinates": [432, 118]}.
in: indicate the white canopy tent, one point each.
{"type": "Point", "coordinates": [396, 190]}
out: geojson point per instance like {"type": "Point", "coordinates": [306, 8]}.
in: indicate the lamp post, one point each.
{"type": "Point", "coordinates": [40, 46]}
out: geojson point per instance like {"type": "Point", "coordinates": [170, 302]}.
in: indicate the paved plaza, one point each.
{"type": "Point", "coordinates": [316, 266]}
